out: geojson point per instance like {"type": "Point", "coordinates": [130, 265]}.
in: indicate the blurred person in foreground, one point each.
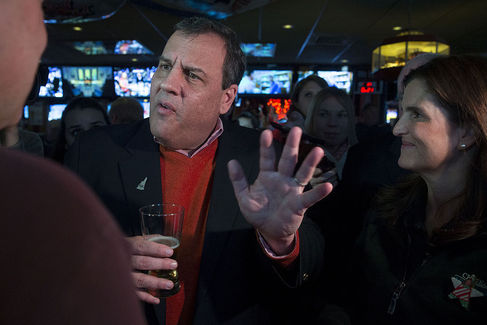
{"type": "Point", "coordinates": [244, 252]}
{"type": "Point", "coordinates": [422, 257]}
{"type": "Point", "coordinates": [64, 259]}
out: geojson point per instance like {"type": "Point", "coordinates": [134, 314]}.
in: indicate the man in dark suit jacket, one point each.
{"type": "Point", "coordinates": [241, 279]}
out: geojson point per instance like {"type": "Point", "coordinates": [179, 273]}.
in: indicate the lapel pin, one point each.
{"type": "Point", "coordinates": [141, 185]}
{"type": "Point", "coordinates": [466, 286]}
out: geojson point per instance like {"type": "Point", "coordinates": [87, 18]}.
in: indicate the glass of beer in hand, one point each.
{"type": "Point", "coordinates": [163, 223]}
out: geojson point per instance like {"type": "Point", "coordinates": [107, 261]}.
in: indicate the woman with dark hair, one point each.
{"type": "Point", "coordinates": [81, 114]}
{"type": "Point", "coordinates": [302, 95]}
{"type": "Point", "coordinates": [422, 256]}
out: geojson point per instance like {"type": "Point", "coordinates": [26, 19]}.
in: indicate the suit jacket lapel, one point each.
{"type": "Point", "coordinates": [141, 177]}
{"type": "Point", "coordinates": [141, 173]}
{"type": "Point", "coordinates": [224, 210]}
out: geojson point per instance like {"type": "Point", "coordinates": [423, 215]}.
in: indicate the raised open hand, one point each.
{"type": "Point", "coordinates": [275, 204]}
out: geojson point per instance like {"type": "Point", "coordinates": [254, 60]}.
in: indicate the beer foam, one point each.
{"type": "Point", "coordinates": [166, 240]}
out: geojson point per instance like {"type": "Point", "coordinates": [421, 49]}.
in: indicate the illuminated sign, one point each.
{"type": "Point", "coordinates": [369, 87]}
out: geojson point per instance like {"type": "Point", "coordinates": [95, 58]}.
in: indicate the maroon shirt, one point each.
{"type": "Point", "coordinates": [64, 260]}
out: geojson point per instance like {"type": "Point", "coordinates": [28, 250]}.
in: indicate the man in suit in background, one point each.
{"type": "Point", "coordinates": [180, 155]}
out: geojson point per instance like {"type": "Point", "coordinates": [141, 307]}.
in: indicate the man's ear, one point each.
{"type": "Point", "coordinates": [228, 97]}
{"type": "Point", "coordinates": [467, 137]}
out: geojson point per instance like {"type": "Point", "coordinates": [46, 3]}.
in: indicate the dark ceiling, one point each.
{"type": "Point", "coordinates": [324, 33]}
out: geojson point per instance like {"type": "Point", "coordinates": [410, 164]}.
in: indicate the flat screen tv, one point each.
{"type": "Point", "coordinates": [92, 47]}
{"type": "Point", "coordinates": [259, 50]}
{"type": "Point", "coordinates": [303, 74]}
{"type": "Point", "coordinates": [26, 112]}
{"type": "Point", "coordinates": [133, 82]}
{"type": "Point", "coordinates": [54, 85]}
{"type": "Point", "coordinates": [89, 81]}
{"type": "Point", "coordinates": [266, 82]}
{"type": "Point", "coordinates": [131, 47]}
{"type": "Point", "coordinates": [339, 79]}
{"type": "Point", "coordinates": [146, 105]}
{"type": "Point", "coordinates": [391, 115]}
{"type": "Point", "coordinates": [56, 111]}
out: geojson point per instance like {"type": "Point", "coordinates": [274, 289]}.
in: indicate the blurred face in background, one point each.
{"type": "Point", "coordinates": [330, 122]}
{"type": "Point", "coordinates": [80, 120]}
{"type": "Point", "coordinates": [22, 40]}
{"type": "Point", "coordinates": [306, 95]}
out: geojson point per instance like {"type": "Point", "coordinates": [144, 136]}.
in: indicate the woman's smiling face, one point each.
{"type": "Point", "coordinates": [429, 139]}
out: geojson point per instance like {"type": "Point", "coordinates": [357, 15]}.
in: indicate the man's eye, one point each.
{"type": "Point", "coordinates": [165, 67]}
{"type": "Point", "coordinates": [192, 76]}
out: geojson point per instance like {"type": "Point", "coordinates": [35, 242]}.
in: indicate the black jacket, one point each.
{"type": "Point", "coordinates": [399, 278]}
{"type": "Point", "coordinates": [237, 283]}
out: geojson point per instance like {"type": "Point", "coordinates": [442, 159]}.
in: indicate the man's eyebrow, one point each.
{"type": "Point", "coordinates": [187, 68]}
{"type": "Point", "coordinates": [193, 69]}
{"type": "Point", "coordinates": [163, 58]}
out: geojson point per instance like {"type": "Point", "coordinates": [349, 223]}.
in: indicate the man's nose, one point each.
{"type": "Point", "coordinates": [172, 81]}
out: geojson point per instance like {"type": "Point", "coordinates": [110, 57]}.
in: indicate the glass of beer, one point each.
{"type": "Point", "coordinates": [163, 223]}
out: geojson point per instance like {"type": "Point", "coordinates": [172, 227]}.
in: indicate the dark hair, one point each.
{"type": "Point", "coordinates": [125, 110]}
{"type": "Point", "coordinates": [235, 62]}
{"type": "Point", "coordinates": [459, 84]}
{"type": "Point", "coordinates": [76, 103]}
{"type": "Point", "coordinates": [300, 85]}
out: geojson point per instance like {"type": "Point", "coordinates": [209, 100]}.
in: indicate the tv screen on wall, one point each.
{"type": "Point", "coordinates": [266, 82]}
{"type": "Point", "coordinates": [89, 81]}
{"type": "Point", "coordinates": [339, 79]}
{"type": "Point", "coordinates": [54, 84]}
{"type": "Point", "coordinates": [133, 82]}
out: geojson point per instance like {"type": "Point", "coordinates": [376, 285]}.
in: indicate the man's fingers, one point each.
{"type": "Point", "coordinates": [146, 281]}
{"type": "Point", "coordinates": [307, 168]}
{"type": "Point", "coordinates": [267, 155]}
{"type": "Point", "coordinates": [140, 246]}
{"type": "Point", "coordinates": [147, 297]}
{"type": "Point", "coordinates": [237, 176]}
{"type": "Point", "coordinates": [147, 263]}
{"type": "Point", "coordinates": [312, 196]}
{"type": "Point", "coordinates": [317, 172]}
{"type": "Point", "coordinates": [289, 156]}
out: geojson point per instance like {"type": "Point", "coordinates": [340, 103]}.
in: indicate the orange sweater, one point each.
{"type": "Point", "coordinates": [188, 181]}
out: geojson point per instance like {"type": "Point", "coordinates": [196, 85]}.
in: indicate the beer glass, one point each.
{"type": "Point", "coordinates": [163, 223]}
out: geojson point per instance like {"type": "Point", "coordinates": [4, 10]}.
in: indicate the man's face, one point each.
{"type": "Point", "coordinates": [186, 90]}
{"type": "Point", "coordinates": [22, 41]}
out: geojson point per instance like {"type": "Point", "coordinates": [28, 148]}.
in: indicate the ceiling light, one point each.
{"type": "Point", "coordinates": [287, 26]}
{"type": "Point", "coordinates": [77, 28]}
{"type": "Point", "coordinates": [134, 60]}
{"type": "Point", "coordinates": [396, 28]}
{"type": "Point", "coordinates": [344, 61]}
{"type": "Point", "coordinates": [389, 57]}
